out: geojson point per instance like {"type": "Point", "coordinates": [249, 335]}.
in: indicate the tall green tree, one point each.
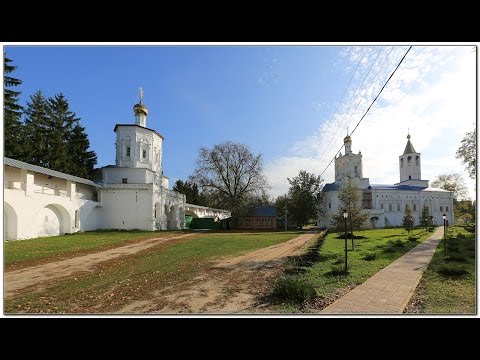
{"type": "Point", "coordinates": [304, 196]}
{"type": "Point", "coordinates": [59, 141]}
{"type": "Point", "coordinates": [36, 129]}
{"type": "Point", "coordinates": [349, 198]}
{"type": "Point", "coordinates": [468, 152]}
{"type": "Point", "coordinates": [191, 192]}
{"type": "Point", "coordinates": [451, 182]}
{"type": "Point", "coordinates": [84, 159]}
{"type": "Point", "coordinates": [12, 113]}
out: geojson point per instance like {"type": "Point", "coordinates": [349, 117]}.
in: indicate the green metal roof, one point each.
{"type": "Point", "coordinates": [409, 148]}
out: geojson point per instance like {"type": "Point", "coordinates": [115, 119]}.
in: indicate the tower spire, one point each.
{"type": "Point", "coordinates": [141, 94]}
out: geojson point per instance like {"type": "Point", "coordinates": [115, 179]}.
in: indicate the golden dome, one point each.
{"type": "Point", "coordinates": [140, 108]}
{"type": "Point", "coordinates": [347, 139]}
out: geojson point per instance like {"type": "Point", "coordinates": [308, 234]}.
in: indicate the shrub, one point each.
{"type": "Point", "coordinates": [369, 256]}
{"type": "Point", "coordinates": [452, 270]}
{"type": "Point", "coordinates": [412, 238]}
{"type": "Point", "coordinates": [455, 258]}
{"type": "Point", "coordinates": [337, 270]}
{"type": "Point", "coordinates": [399, 243]}
{"type": "Point", "coordinates": [293, 288]}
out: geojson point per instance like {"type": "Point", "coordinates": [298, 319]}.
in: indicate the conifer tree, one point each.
{"type": "Point", "coordinates": [12, 112]}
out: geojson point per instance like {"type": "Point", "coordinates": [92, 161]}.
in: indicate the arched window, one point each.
{"type": "Point", "coordinates": [417, 160]}
{"type": "Point", "coordinates": [409, 159]}
{"type": "Point", "coordinates": [401, 162]}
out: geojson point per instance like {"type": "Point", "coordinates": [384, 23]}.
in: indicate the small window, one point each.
{"type": "Point", "coordinates": [398, 207]}
{"type": "Point", "coordinates": [128, 151]}
{"type": "Point", "coordinates": [446, 208]}
{"type": "Point", "coordinates": [77, 219]}
{"type": "Point", "coordinates": [441, 208]}
{"type": "Point", "coordinates": [401, 162]}
{"type": "Point", "coordinates": [144, 154]}
{"type": "Point", "coordinates": [414, 207]}
{"type": "Point", "coordinates": [390, 207]}
{"type": "Point", "coordinates": [417, 160]}
{"type": "Point", "coordinates": [124, 180]}
{"type": "Point", "coordinates": [409, 159]}
{"type": "Point", "coordinates": [406, 207]}
{"type": "Point", "coordinates": [329, 205]}
{"type": "Point", "coordinates": [381, 206]}
{"type": "Point", "coordinates": [356, 170]}
{"type": "Point", "coordinates": [410, 178]}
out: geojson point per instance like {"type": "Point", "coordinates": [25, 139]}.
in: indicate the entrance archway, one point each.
{"type": "Point", "coordinates": [9, 222]}
{"type": "Point", "coordinates": [373, 222]}
{"type": "Point", "coordinates": [53, 220]}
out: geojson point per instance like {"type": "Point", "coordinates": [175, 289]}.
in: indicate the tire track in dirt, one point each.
{"type": "Point", "coordinates": [40, 276]}
{"type": "Point", "coordinates": [229, 286]}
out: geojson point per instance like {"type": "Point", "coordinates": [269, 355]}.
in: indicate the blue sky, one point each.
{"type": "Point", "coordinates": [290, 103]}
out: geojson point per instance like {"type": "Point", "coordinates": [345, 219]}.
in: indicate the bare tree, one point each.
{"type": "Point", "coordinates": [231, 174]}
{"type": "Point", "coordinates": [453, 183]}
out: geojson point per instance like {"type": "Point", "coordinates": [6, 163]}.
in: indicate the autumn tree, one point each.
{"type": "Point", "coordinates": [468, 152]}
{"type": "Point", "coordinates": [304, 196]}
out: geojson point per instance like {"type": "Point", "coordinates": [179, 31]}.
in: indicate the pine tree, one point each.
{"type": "Point", "coordinates": [12, 112]}
{"type": "Point", "coordinates": [60, 142]}
{"type": "Point", "coordinates": [83, 160]}
{"type": "Point", "coordinates": [36, 132]}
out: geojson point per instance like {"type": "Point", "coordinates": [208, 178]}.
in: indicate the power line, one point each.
{"type": "Point", "coordinates": [366, 112]}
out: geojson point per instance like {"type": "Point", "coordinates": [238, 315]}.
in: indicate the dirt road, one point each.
{"type": "Point", "coordinates": [40, 276]}
{"type": "Point", "coordinates": [229, 286]}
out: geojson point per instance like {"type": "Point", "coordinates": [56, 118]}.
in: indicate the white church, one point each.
{"type": "Point", "coordinates": [132, 194]}
{"type": "Point", "coordinates": [386, 204]}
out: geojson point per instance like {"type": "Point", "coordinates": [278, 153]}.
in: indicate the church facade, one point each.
{"type": "Point", "coordinates": [132, 194]}
{"type": "Point", "coordinates": [385, 203]}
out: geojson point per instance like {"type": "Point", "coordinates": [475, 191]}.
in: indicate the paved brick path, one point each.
{"type": "Point", "coordinates": [390, 289]}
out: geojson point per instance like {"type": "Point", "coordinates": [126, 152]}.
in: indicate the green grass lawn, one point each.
{"type": "Point", "coordinates": [448, 284]}
{"type": "Point", "coordinates": [117, 282]}
{"type": "Point", "coordinates": [73, 244]}
{"type": "Point", "coordinates": [378, 249]}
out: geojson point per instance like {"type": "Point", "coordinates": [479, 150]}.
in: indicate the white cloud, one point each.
{"type": "Point", "coordinates": [433, 94]}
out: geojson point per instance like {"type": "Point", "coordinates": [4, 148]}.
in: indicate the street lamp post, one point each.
{"type": "Point", "coordinates": [411, 225]}
{"type": "Point", "coordinates": [425, 220]}
{"type": "Point", "coordinates": [345, 216]}
{"type": "Point", "coordinates": [445, 234]}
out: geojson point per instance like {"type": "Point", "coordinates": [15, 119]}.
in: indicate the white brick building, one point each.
{"type": "Point", "coordinates": [386, 203]}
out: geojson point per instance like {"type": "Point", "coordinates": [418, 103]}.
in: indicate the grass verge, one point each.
{"type": "Point", "coordinates": [377, 249]}
{"type": "Point", "coordinates": [448, 284]}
